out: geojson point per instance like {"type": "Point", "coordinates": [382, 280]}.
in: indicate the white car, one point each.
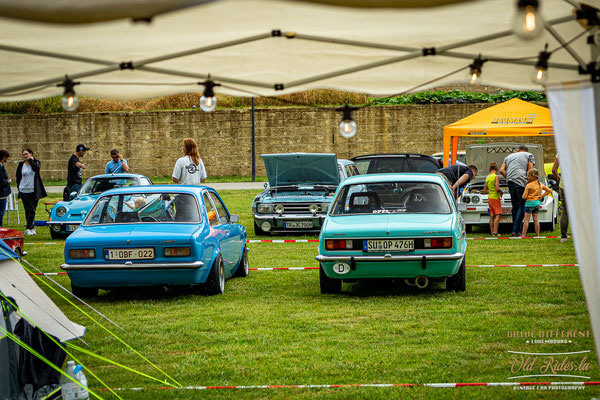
{"type": "Point", "coordinates": [474, 205]}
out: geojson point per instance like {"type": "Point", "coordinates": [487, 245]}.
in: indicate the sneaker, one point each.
{"type": "Point", "coordinates": [27, 232]}
{"type": "Point", "coordinates": [32, 231]}
{"type": "Point", "coordinates": [562, 240]}
{"type": "Point", "coordinates": [515, 234]}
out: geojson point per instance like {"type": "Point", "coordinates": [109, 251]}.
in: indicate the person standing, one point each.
{"type": "Point", "coordinates": [458, 176]}
{"type": "Point", "coordinates": [74, 178]}
{"type": "Point", "coordinates": [189, 169]}
{"type": "Point", "coordinates": [533, 196]}
{"type": "Point", "coordinates": [31, 188]}
{"type": "Point", "coordinates": [515, 168]}
{"type": "Point", "coordinates": [116, 164]}
{"type": "Point", "coordinates": [564, 215]}
{"type": "Point", "coordinates": [4, 184]}
{"type": "Point", "coordinates": [492, 187]}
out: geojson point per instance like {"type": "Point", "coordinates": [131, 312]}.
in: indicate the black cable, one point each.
{"type": "Point", "coordinates": [26, 91]}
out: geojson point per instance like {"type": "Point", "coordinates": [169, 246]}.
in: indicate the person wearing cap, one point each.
{"type": "Point", "coordinates": [74, 178]}
{"type": "Point", "coordinates": [117, 164]}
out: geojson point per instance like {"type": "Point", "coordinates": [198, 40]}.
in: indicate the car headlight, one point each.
{"type": "Point", "coordinates": [466, 199]}
{"type": "Point", "coordinates": [264, 208]}
{"type": "Point", "coordinates": [279, 209]}
{"type": "Point", "coordinates": [313, 208]}
{"type": "Point", "coordinates": [324, 207]}
{"type": "Point", "coordinates": [82, 253]}
{"type": "Point", "coordinates": [61, 211]}
{"type": "Point", "coordinates": [475, 199]}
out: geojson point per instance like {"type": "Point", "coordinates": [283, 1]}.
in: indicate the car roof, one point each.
{"type": "Point", "coordinates": [128, 175]}
{"type": "Point", "coordinates": [391, 155]}
{"type": "Point", "coordinates": [393, 177]}
{"type": "Point", "coordinates": [160, 189]}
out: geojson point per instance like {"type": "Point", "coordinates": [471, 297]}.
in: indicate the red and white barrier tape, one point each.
{"type": "Point", "coordinates": [513, 237]}
{"type": "Point", "coordinates": [370, 385]}
{"type": "Point", "coordinates": [283, 241]}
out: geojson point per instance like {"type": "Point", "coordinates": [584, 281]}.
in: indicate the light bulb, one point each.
{"type": "Point", "coordinates": [474, 77]}
{"type": "Point", "coordinates": [527, 23]}
{"type": "Point", "coordinates": [208, 103]}
{"type": "Point", "coordinates": [348, 128]}
{"type": "Point", "coordinates": [539, 75]}
{"type": "Point", "coordinates": [70, 102]}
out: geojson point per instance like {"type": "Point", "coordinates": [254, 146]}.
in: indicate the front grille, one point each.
{"type": "Point", "coordinates": [297, 208]}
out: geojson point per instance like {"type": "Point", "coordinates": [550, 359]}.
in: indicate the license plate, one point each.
{"type": "Point", "coordinates": [299, 224]}
{"type": "Point", "coordinates": [71, 228]}
{"type": "Point", "coordinates": [388, 245]}
{"type": "Point", "coordinates": [129, 254]}
{"type": "Point", "coordinates": [507, 211]}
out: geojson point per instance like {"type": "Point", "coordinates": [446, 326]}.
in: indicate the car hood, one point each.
{"type": "Point", "coordinates": [301, 168]}
{"type": "Point", "coordinates": [481, 155]}
{"type": "Point", "coordinates": [137, 234]}
{"type": "Point", "coordinates": [301, 196]}
{"type": "Point", "coordinates": [399, 225]}
{"type": "Point", "coordinates": [74, 207]}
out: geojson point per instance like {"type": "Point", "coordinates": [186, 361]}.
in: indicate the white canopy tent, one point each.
{"type": "Point", "coordinates": [269, 47]}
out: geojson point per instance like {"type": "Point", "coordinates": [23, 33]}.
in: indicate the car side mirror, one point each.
{"type": "Point", "coordinates": [234, 218]}
{"type": "Point", "coordinates": [266, 185]}
{"type": "Point", "coordinates": [552, 182]}
{"type": "Point", "coordinates": [72, 195]}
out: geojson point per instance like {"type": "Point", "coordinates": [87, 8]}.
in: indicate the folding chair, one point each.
{"type": "Point", "coordinates": [12, 204]}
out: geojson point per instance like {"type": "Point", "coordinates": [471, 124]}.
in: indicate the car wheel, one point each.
{"type": "Point", "coordinates": [329, 285]}
{"type": "Point", "coordinates": [243, 269]}
{"type": "Point", "coordinates": [215, 284]}
{"type": "Point", "coordinates": [57, 235]}
{"type": "Point", "coordinates": [458, 281]}
{"type": "Point", "coordinates": [84, 291]}
{"type": "Point", "coordinates": [468, 228]}
{"type": "Point", "coordinates": [258, 231]}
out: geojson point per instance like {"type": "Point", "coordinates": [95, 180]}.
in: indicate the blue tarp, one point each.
{"type": "Point", "coordinates": [6, 252]}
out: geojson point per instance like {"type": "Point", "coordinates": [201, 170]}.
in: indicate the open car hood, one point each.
{"type": "Point", "coordinates": [481, 155]}
{"type": "Point", "coordinates": [301, 168]}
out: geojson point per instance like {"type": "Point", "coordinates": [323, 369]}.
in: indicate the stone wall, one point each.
{"type": "Point", "coordinates": [151, 141]}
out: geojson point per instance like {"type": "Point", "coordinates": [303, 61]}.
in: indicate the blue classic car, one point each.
{"type": "Point", "coordinates": [300, 189]}
{"type": "Point", "coordinates": [156, 235]}
{"type": "Point", "coordinates": [66, 216]}
{"type": "Point", "coordinates": [393, 226]}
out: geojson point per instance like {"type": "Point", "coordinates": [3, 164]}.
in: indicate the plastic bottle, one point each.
{"type": "Point", "coordinates": [71, 390]}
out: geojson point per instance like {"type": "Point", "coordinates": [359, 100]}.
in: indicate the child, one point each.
{"type": "Point", "coordinates": [492, 186]}
{"type": "Point", "coordinates": [533, 196]}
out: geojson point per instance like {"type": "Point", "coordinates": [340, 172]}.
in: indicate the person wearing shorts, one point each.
{"type": "Point", "coordinates": [492, 187]}
{"type": "Point", "coordinates": [533, 200]}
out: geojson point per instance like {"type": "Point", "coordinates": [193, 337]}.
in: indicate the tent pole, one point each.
{"type": "Point", "coordinates": [566, 46]}
{"type": "Point", "coordinates": [253, 145]}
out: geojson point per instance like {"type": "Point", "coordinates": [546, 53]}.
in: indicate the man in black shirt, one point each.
{"type": "Point", "coordinates": [74, 179]}
{"type": "Point", "coordinates": [458, 175]}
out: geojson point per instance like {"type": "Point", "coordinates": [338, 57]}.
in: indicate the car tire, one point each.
{"type": "Point", "coordinates": [258, 231]}
{"type": "Point", "coordinates": [215, 283]}
{"type": "Point", "coordinates": [57, 235]}
{"type": "Point", "coordinates": [468, 228]}
{"type": "Point", "coordinates": [458, 281]}
{"type": "Point", "coordinates": [83, 292]}
{"type": "Point", "coordinates": [243, 269]}
{"type": "Point", "coordinates": [329, 285]}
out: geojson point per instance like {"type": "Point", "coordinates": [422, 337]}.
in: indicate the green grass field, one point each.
{"type": "Point", "coordinates": [275, 328]}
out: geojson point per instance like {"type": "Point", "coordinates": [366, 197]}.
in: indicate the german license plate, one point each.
{"type": "Point", "coordinates": [71, 228]}
{"type": "Point", "coordinates": [388, 245]}
{"type": "Point", "coordinates": [299, 224]}
{"type": "Point", "coordinates": [129, 254]}
{"type": "Point", "coordinates": [507, 211]}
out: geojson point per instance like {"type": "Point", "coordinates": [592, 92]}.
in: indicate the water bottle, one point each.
{"type": "Point", "coordinates": [69, 389]}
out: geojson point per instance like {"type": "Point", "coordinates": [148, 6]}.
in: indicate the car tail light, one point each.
{"type": "Point", "coordinates": [338, 244]}
{"type": "Point", "coordinates": [471, 208]}
{"type": "Point", "coordinates": [82, 253]}
{"type": "Point", "coordinates": [438, 243]}
{"type": "Point", "coordinates": [177, 251]}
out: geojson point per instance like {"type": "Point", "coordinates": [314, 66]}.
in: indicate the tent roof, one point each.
{"type": "Point", "coordinates": [511, 118]}
{"type": "Point", "coordinates": [34, 304]}
{"type": "Point", "coordinates": [272, 47]}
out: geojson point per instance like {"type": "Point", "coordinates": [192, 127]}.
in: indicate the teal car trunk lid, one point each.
{"type": "Point", "coordinates": [389, 225]}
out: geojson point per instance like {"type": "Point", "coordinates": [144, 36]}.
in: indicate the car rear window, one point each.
{"type": "Point", "coordinates": [391, 198]}
{"type": "Point", "coordinates": [383, 165]}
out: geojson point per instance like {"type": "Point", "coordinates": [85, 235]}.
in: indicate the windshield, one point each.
{"type": "Point", "coordinates": [391, 198]}
{"type": "Point", "coordinates": [99, 185]}
{"type": "Point", "coordinates": [144, 207]}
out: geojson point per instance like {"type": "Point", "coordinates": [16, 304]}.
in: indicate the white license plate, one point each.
{"type": "Point", "coordinates": [299, 224]}
{"type": "Point", "coordinates": [129, 254]}
{"type": "Point", "coordinates": [71, 228]}
{"type": "Point", "coordinates": [507, 211]}
{"type": "Point", "coordinates": [388, 245]}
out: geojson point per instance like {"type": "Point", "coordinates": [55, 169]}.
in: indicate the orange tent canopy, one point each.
{"type": "Point", "coordinates": [511, 118]}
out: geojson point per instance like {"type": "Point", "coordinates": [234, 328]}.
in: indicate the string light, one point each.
{"type": "Point", "coordinates": [347, 126]}
{"type": "Point", "coordinates": [69, 102]}
{"type": "Point", "coordinates": [475, 70]}
{"type": "Point", "coordinates": [540, 71]}
{"type": "Point", "coordinates": [208, 101]}
{"type": "Point", "coordinates": [527, 22]}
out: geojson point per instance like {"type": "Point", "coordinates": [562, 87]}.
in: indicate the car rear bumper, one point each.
{"type": "Point", "coordinates": [130, 266]}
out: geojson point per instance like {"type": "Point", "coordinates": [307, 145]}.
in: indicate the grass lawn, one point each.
{"type": "Point", "coordinates": [275, 328]}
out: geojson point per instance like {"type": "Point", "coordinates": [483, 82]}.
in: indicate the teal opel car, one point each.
{"type": "Point", "coordinates": [393, 226]}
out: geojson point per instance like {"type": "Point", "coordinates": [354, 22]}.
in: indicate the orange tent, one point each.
{"type": "Point", "coordinates": [511, 118]}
